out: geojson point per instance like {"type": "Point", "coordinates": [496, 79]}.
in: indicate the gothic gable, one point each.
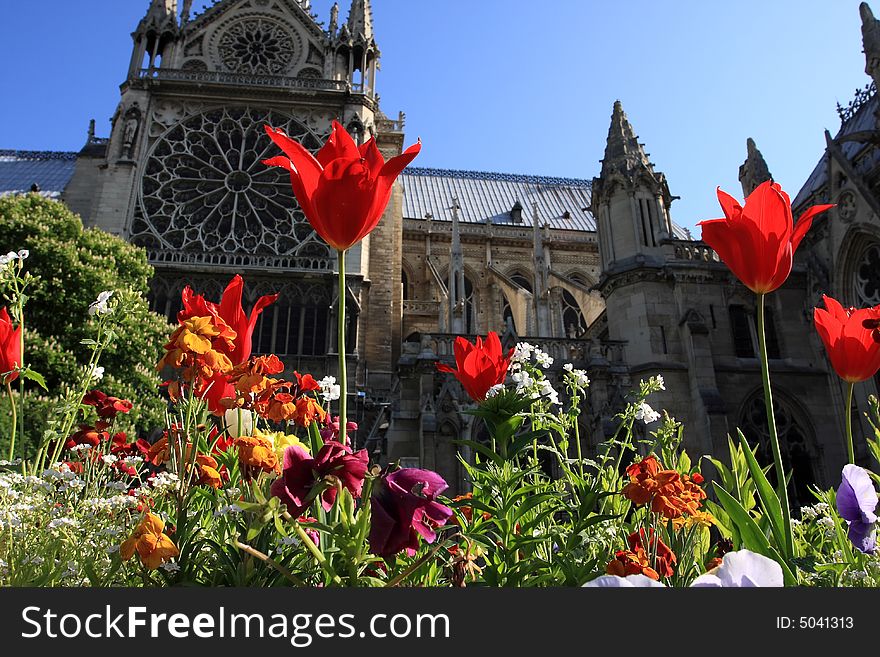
{"type": "Point", "coordinates": [255, 37]}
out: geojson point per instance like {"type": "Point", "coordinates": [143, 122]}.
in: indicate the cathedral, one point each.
{"type": "Point", "coordinates": [595, 271]}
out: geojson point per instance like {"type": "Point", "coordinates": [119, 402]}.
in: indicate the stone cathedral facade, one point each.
{"type": "Point", "coordinates": [593, 270]}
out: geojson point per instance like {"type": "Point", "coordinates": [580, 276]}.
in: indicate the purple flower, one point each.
{"type": "Point", "coordinates": [304, 477]}
{"type": "Point", "coordinates": [856, 501]}
{"type": "Point", "coordinates": [742, 569]}
{"type": "Point", "coordinates": [403, 508]}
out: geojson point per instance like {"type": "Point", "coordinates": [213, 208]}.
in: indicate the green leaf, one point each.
{"type": "Point", "coordinates": [752, 537]}
{"type": "Point", "coordinates": [485, 450]}
{"type": "Point", "coordinates": [769, 500]}
{"type": "Point", "coordinates": [36, 377]}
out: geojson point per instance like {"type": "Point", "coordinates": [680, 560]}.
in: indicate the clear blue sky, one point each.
{"type": "Point", "coordinates": [518, 86]}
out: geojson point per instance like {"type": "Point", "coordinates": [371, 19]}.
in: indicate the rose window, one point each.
{"type": "Point", "coordinates": [257, 46]}
{"type": "Point", "coordinates": [207, 196]}
{"type": "Point", "coordinates": [868, 277]}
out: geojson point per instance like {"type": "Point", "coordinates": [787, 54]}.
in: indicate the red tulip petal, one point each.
{"type": "Point", "coordinates": [339, 145]}
{"type": "Point", "coordinates": [804, 223]}
{"type": "Point", "coordinates": [372, 157]}
{"type": "Point", "coordinates": [385, 182]}
{"type": "Point", "coordinates": [343, 200]}
{"type": "Point", "coordinates": [730, 206]}
{"type": "Point", "coordinates": [734, 245]}
{"type": "Point", "coordinates": [302, 161]}
{"type": "Point", "coordinates": [445, 368]}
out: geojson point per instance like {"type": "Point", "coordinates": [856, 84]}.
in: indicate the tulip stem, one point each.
{"type": "Point", "coordinates": [847, 416]}
{"type": "Point", "coordinates": [782, 483]}
{"type": "Point", "coordinates": [14, 419]}
{"type": "Point", "coordinates": [340, 349]}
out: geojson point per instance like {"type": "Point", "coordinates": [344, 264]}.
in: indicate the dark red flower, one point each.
{"type": "Point", "coordinates": [87, 435]}
{"type": "Point", "coordinates": [757, 242]}
{"type": "Point", "coordinates": [480, 366]}
{"type": "Point", "coordinates": [853, 351]}
{"type": "Point", "coordinates": [404, 508]}
{"type": "Point", "coordinates": [343, 190]}
{"type": "Point", "coordinates": [304, 478]}
{"type": "Point", "coordinates": [105, 405]}
{"type": "Point", "coordinates": [10, 347]}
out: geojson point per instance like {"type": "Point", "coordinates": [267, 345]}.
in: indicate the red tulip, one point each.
{"type": "Point", "coordinates": [230, 310]}
{"type": "Point", "coordinates": [10, 347]}
{"type": "Point", "coordinates": [480, 366]}
{"type": "Point", "coordinates": [758, 241]}
{"type": "Point", "coordinates": [853, 352]}
{"type": "Point", "coordinates": [343, 190]}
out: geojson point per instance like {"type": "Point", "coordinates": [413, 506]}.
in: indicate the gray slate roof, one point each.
{"type": "Point", "coordinates": [491, 196]}
{"type": "Point", "coordinates": [863, 120]}
{"type": "Point", "coordinates": [51, 170]}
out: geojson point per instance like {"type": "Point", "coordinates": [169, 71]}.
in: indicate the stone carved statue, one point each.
{"type": "Point", "coordinates": [129, 132]}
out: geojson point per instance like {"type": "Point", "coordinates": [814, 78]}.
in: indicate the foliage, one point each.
{"type": "Point", "coordinates": [71, 266]}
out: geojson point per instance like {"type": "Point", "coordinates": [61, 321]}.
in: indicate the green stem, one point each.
{"type": "Point", "coordinates": [340, 348]}
{"type": "Point", "coordinates": [14, 419]}
{"type": "Point", "coordinates": [782, 488]}
{"type": "Point", "coordinates": [848, 419]}
{"type": "Point", "coordinates": [20, 383]}
{"type": "Point", "coordinates": [316, 552]}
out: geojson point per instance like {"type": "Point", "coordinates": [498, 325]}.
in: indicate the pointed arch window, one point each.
{"type": "Point", "coordinates": [573, 322]}
{"type": "Point", "coordinates": [744, 326]}
{"type": "Point", "coordinates": [797, 453]}
{"type": "Point", "coordinates": [467, 302]}
{"type": "Point", "coordinates": [522, 280]}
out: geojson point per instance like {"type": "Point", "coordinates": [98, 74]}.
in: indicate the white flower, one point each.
{"type": "Point", "coordinates": [84, 447]}
{"type": "Point", "coordinates": [628, 582]}
{"type": "Point", "coordinates": [742, 569]}
{"type": "Point", "coordinates": [109, 459]}
{"type": "Point", "coordinates": [330, 390]}
{"type": "Point", "coordinates": [170, 567]}
{"type": "Point", "coordinates": [62, 522]}
{"type": "Point", "coordinates": [97, 373]}
{"type": "Point", "coordinates": [231, 509]}
{"type": "Point", "coordinates": [543, 359]}
{"type": "Point", "coordinates": [132, 461]}
{"type": "Point", "coordinates": [578, 377]}
{"type": "Point", "coordinates": [494, 390]}
{"type": "Point", "coordinates": [826, 522]}
{"type": "Point", "coordinates": [23, 254]}
{"type": "Point", "coordinates": [288, 540]}
{"type": "Point", "coordinates": [112, 549]}
{"type": "Point", "coordinates": [661, 384]}
{"type": "Point", "coordinates": [522, 380]}
{"type": "Point", "coordinates": [239, 422]}
{"type": "Point", "coordinates": [647, 414]}
{"type": "Point", "coordinates": [546, 390]}
{"type": "Point", "coordinates": [100, 305]}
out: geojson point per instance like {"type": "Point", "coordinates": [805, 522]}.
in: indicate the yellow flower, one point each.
{"type": "Point", "coordinates": [700, 518]}
{"type": "Point", "coordinates": [281, 441]}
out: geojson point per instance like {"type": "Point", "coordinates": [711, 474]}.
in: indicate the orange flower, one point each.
{"type": "Point", "coordinates": [629, 562]}
{"type": "Point", "coordinates": [153, 547]}
{"type": "Point", "coordinates": [159, 452]}
{"type": "Point", "coordinates": [307, 410]}
{"type": "Point", "coordinates": [664, 557]}
{"type": "Point", "coordinates": [256, 454]}
{"type": "Point", "coordinates": [209, 471]}
{"type": "Point", "coordinates": [670, 494]}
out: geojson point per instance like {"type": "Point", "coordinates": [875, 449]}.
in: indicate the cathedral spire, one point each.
{"type": "Point", "coordinates": [870, 41]}
{"type": "Point", "coordinates": [623, 152]}
{"type": "Point", "coordinates": [360, 20]}
{"type": "Point", "coordinates": [754, 170]}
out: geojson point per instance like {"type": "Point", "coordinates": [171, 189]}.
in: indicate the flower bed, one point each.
{"type": "Point", "coordinates": [255, 481]}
